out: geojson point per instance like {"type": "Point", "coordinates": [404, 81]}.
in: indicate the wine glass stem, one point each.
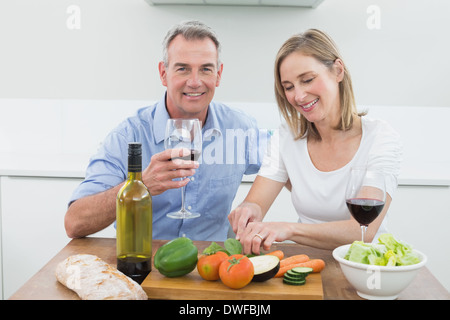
{"type": "Point", "coordinates": [183, 194]}
{"type": "Point", "coordinates": [363, 232]}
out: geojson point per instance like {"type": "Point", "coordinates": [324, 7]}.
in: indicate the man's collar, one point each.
{"type": "Point", "coordinates": [212, 126]}
{"type": "Point", "coordinates": [159, 123]}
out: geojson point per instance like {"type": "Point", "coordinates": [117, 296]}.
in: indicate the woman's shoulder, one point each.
{"type": "Point", "coordinates": [379, 128]}
{"type": "Point", "coordinates": [381, 136]}
{"type": "Point", "coordinates": [284, 136]}
{"type": "Point", "coordinates": [285, 131]}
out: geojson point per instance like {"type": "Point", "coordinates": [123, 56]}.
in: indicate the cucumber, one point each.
{"type": "Point", "coordinates": [294, 283]}
{"type": "Point", "coordinates": [302, 270]}
{"type": "Point", "coordinates": [296, 276]}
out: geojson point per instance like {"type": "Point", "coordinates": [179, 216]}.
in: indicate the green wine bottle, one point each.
{"type": "Point", "coordinates": [134, 221]}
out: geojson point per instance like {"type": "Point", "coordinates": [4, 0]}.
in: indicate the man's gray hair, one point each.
{"type": "Point", "coordinates": [190, 30]}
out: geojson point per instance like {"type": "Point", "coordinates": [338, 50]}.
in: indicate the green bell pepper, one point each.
{"type": "Point", "coordinates": [176, 258]}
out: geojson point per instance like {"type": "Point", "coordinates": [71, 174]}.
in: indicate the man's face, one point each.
{"type": "Point", "coordinates": [191, 77]}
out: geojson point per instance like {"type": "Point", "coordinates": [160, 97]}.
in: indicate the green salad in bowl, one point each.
{"type": "Point", "coordinates": [379, 270]}
{"type": "Point", "coordinates": [387, 252]}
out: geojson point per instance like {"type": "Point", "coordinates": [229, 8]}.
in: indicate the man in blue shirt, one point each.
{"type": "Point", "coordinates": [232, 146]}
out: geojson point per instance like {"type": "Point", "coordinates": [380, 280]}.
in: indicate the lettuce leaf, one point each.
{"type": "Point", "coordinates": [391, 258]}
{"type": "Point", "coordinates": [387, 252]}
{"type": "Point", "coordinates": [403, 252]}
{"type": "Point", "coordinates": [366, 253]}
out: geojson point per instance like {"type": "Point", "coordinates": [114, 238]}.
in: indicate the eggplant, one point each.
{"type": "Point", "coordinates": [265, 267]}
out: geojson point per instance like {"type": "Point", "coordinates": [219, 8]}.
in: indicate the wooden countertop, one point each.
{"type": "Point", "coordinates": [44, 286]}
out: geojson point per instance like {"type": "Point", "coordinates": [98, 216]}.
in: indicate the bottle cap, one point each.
{"type": "Point", "coordinates": [134, 148]}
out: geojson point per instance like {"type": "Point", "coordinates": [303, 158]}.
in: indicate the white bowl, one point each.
{"type": "Point", "coordinates": [377, 282]}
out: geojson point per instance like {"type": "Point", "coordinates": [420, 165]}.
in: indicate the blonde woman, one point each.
{"type": "Point", "coordinates": [323, 137]}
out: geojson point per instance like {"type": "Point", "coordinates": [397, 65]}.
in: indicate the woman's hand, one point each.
{"type": "Point", "coordinates": [252, 211]}
{"type": "Point", "coordinates": [246, 212]}
{"type": "Point", "coordinates": [263, 234]}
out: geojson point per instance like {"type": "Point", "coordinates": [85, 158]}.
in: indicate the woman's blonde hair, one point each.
{"type": "Point", "coordinates": [319, 45]}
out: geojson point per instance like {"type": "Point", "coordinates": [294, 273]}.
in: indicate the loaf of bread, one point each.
{"type": "Point", "coordinates": [93, 279]}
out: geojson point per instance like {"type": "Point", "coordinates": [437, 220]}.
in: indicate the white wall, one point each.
{"type": "Point", "coordinates": [114, 56]}
{"type": "Point", "coordinates": [115, 52]}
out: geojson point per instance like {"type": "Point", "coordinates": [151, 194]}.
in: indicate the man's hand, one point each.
{"type": "Point", "coordinates": [159, 175]}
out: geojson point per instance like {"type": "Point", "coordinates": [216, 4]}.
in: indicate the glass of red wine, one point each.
{"type": "Point", "coordinates": [365, 196]}
{"type": "Point", "coordinates": [184, 134]}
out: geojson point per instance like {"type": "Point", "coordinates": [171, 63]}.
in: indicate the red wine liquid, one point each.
{"type": "Point", "coordinates": [195, 154]}
{"type": "Point", "coordinates": [365, 210]}
{"type": "Point", "coordinates": [135, 268]}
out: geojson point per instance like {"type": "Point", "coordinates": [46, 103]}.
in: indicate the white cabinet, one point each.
{"type": "Point", "coordinates": [32, 225]}
{"type": "Point", "coordinates": [420, 215]}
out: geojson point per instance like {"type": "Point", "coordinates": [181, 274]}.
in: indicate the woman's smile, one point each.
{"type": "Point", "coordinates": [309, 106]}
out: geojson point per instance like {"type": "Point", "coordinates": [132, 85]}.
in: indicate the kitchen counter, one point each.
{"type": "Point", "coordinates": [44, 286]}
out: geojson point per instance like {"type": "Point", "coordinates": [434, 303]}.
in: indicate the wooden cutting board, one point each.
{"type": "Point", "coordinates": [193, 287]}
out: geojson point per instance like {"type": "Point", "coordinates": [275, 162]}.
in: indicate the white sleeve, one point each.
{"type": "Point", "coordinates": [386, 155]}
{"type": "Point", "coordinates": [273, 166]}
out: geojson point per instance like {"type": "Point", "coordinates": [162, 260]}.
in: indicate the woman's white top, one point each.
{"type": "Point", "coordinates": [319, 196]}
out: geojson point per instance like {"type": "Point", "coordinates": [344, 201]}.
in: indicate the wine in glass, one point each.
{"type": "Point", "coordinates": [365, 196]}
{"type": "Point", "coordinates": [186, 134]}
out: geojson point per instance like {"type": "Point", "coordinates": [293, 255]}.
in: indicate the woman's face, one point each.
{"type": "Point", "coordinates": [311, 87]}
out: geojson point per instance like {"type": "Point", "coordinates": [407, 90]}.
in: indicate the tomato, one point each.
{"type": "Point", "coordinates": [208, 265]}
{"type": "Point", "coordinates": [236, 271]}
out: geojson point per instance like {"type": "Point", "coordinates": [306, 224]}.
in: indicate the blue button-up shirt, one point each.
{"type": "Point", "coordinates": [232, 146]}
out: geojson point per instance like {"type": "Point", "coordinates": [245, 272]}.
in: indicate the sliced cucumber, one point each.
{"type": "Point", "coordinates": [296, 276]}
{"type": "Point", "coordinates": [302, 270]}
{"type": "Point", "coordinates": [294, 283]}
{"type": "Point", "coordinates": [293, 278]}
